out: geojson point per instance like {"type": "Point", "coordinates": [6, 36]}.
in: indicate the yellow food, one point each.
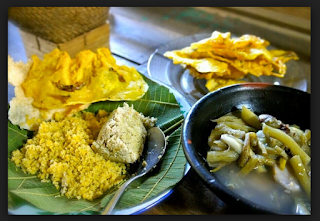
{"type": "Point", "coordinates": [58, 80]}
{"type": "Point", "coordinates": [64, 85]}
{"type": "Point", "coordinates": [223, 57]}
{"type": "Point", "coordinates": [216, 83]}
{"type": "Point", "coordinates": [60, 152]}
{"type": "Point", "coordinates": [22, 112]}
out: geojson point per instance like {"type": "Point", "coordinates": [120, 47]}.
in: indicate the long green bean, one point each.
{"type": "Point", "coordinates": [287, 141]}
{"type": "Point", "coordinates": [300, 172]}
{"type": "Point", "coordinates": [250, 118]}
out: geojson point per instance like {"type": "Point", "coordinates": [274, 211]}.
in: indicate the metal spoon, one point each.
{"type": "Point", "coordinates": [152, 153]}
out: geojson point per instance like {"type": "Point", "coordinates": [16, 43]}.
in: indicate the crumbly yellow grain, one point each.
{"type": "Point", "coordinates": [60, 152]}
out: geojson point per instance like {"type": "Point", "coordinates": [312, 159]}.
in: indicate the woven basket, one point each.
{"type": "Point", "coordinates": [58, 24]}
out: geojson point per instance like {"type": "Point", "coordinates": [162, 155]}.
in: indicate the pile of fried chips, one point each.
{"type": "Point", "coordinates": [60, 86]}
{"type": "Point", "coordinates": [223, 60]}
{"type": "Point", "coordinates": [58, 80]}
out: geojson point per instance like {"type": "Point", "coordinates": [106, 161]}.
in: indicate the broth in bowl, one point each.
{"type": "Point", "coordinates": [270, 160]}
{"type": "Point", "coordinates": [253, 166]}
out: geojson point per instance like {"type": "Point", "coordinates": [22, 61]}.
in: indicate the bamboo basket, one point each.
{"type": "Point", "coordinates": [58, 24]}
{"type": "Point", "coordinates": [71, 29]}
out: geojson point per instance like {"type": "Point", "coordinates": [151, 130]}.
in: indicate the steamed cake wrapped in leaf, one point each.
{"type": "Point", "coordinates": [90, 77]}
{"type": "Point", "coordinates": [223, 57]}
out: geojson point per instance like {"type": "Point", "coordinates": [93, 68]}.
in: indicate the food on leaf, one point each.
{"type": "Point", "coordinates": [58, 80]}
{"type": "Point", "coordinates": [161, 105]}
{"type": "Point", "coordinates": [64, 85]}
{"type": "Point", "coordinates": [60, 153]}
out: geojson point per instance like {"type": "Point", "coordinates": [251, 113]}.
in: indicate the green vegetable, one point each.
{"type": "Point", "coordinates": [250, 117]}
{"type": "Point", "coordinates": [217, 157]}
{"type": "Point", "coordinates": [288, 141]}
{"type": "Point", "coordinates": [301, 173]}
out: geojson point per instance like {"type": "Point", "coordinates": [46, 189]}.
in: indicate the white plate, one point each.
{"type": "Point", "coordinates": [162, 69]}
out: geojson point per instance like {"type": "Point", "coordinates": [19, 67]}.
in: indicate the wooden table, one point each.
{"type": "Point", "coordinates": [135, 33]}
{"type": "Point", "coordinates": [191, 197]}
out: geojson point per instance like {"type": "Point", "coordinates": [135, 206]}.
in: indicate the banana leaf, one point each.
{"type": "Point", "coordinates": [159, 102]}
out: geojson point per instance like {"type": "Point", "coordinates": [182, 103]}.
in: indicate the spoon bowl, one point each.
{"type": "Point", "coordinates": [153, 151]}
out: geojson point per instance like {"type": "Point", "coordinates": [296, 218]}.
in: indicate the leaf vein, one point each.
{"type": "Point", "coordinates": [21, 178]}
{"type": "Point", "coordinates": [37, 194]}
{"type": "Point", "coordinates": [18, 132]}
{"type": "Point", "coordinates": [160, 102]}
{"type": "Point", "coordinates": [162, 177]}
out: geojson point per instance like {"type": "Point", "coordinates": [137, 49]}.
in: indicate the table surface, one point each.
{"type": "Point", "coordinates": [136, 32]}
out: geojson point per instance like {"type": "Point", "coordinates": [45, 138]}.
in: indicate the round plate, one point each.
{"type": "Point", "coordinates": [162, 69]}
{"type": "Point", "coordinates": [29, 209]}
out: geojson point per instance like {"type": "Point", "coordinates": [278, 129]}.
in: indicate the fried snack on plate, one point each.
{"type": "Point", "coordinates": [223, 57]}
{"type": "Point", "coordinates": [216, 83]}
{"type": "Point", "coordinates": [60, 84]}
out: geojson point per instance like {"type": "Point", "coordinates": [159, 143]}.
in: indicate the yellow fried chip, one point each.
{"type": "Point", "coordinates": [280, 57]}
{"type": "Point", "coordinates": [223, 41]}
{"type": "Point", "coordinates": [232, 73]}
{"type": "Point", "coordinates": [217, 40]}
{"type": "Point", "coordinates": [260, 65]}
{"type": "Point", "coordinates": [231, 58]}
{"type": "Point", "coordinates": [256, 67]}
{"type": "Point", "coordinates": [59, 81]}
{"type": "Point", "coordinates": [216, 83]}
{"type": "Point", "coordinates": [201, 65]}
{"type": "Point", "coordinates": [250, 54]}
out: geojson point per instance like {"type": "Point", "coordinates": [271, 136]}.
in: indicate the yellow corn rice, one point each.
{"type": "Point", "coordinates": [61, 152]}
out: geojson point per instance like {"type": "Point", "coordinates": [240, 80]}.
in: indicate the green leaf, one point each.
{"type": "Point", "coordinates": [157, 102]}
{"type": "Point", "coordinates": [16, 137]}
{"type": "Point", "coordinates": [167, 174]}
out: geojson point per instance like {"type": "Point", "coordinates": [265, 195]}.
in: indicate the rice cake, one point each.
{"type": "Point", "coordinates": [122, 137]}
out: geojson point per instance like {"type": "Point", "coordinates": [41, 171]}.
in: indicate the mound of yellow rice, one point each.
{"type": "Point", "coordinates": [60, 152]}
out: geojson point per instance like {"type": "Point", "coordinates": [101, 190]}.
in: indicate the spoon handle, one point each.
{"type": "Point", "coordinates": [117, 195]}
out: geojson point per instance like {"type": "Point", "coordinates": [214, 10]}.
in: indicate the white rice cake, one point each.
{"type": "Point", "coordinates": [122, 137]}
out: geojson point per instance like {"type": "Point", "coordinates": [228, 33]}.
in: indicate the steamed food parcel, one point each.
{"type": "Point", "coordinates": [82, 153]}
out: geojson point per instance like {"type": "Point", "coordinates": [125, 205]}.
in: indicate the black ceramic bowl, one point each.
{"type": "Point", "coordinates": [289, 105]}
